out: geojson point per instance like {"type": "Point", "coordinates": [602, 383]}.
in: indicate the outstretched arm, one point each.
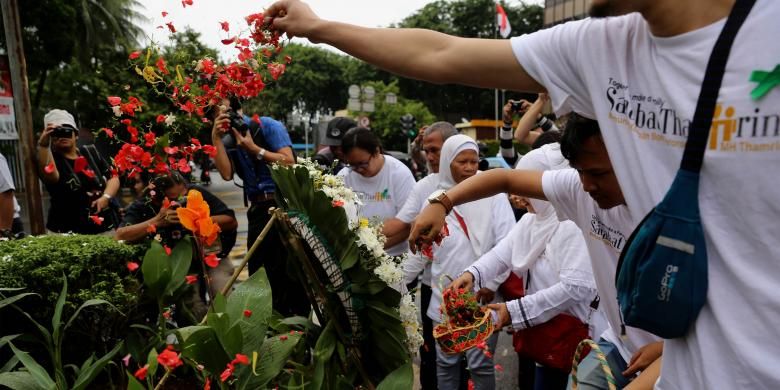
{"type": "Point", "coordinates": [415, 53]}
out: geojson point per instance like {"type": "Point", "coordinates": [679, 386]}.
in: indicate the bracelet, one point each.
{"type": "Point", "coordinates": [107, 196]}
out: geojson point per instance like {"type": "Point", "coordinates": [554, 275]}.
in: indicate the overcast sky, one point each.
{"type": "Point", "coordinates": [204, 15]}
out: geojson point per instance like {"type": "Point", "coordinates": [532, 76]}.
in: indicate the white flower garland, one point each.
{"type": "Point", "coordinates": [370, 237]}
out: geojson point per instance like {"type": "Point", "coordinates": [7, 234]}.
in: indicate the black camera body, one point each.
{"type": "Point", "coordinates": [62, 132]}
{"type": "Point", "coordinates": [516, 105]}
{"type": "Point", "coordinates": [237, 122]}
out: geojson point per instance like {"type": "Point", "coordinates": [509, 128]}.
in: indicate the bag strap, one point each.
{"type": "Point", "coordinates": [94, 160]}
{"type": "Point", "coordinates": [708, 96]}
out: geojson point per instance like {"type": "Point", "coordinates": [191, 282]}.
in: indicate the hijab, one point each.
{"type": "Point", "coordinates": [545, 221]}
{"type": "Point", "coordinates": [477, 221]}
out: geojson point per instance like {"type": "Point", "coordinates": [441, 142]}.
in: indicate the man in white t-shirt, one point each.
{"type": "Point", "coordinates": [639, 75]}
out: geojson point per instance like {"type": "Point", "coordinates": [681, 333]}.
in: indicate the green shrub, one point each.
{"type": "Point", "coordinates": [95, 267]}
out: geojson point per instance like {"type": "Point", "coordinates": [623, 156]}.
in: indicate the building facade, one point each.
{"type": "Point", "coordinates": [560, 11]}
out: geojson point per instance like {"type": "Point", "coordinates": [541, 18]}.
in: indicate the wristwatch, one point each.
{"type": "Point", "coordinates": [261, 154]}
{"type": "Point", "coordinates": [441, 198]}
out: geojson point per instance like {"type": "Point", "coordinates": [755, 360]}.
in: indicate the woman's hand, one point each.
{"type": "Point", "coordinates": [221, 125]}
{"type": "Point", "coordinates": [426, 226]}
{"type": "Point", "coordinates": [503, 315]}
{"type": "Point", "coordinates": [464, 281]}
{"type": "Point", "coordinates": [644, 357]}
{"type": "Point", "coordinates": [485, 295]}
{"type": "Point", "coordinates": [45, 140]}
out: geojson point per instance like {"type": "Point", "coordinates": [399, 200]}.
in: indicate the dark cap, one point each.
{"type": "Point", "coordinates": [337, 127]}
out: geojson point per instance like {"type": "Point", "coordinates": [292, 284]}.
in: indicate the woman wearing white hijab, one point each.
{"type": "Point", "coordinates": [474, 228]}
{"type": "Point", "coordinates": [552, 254]}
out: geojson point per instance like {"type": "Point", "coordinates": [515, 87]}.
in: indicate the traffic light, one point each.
{"type": "Point", "coordinates": [409, 125]}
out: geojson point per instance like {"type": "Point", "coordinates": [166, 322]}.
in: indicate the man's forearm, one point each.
{"type": "Point", "coordinates": [112, 186]}
{"type": "Point", "coordinates": [496, 181]}
{"type": "Point", "coordinates": [221, 159]}
{"type": "Point", "coordinates": [225, 222]}
{"type": "Point", "coordinates": [429, 55]}
{"type": "Point", "coordinates": [396, 231]}
{"type": "Point", "coordinates": [137, 232]}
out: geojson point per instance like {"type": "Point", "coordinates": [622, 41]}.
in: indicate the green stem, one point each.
{"type": "Point", "coordinates": [160, 320]}
{"type": "Point", "coordinates": [163, 379]}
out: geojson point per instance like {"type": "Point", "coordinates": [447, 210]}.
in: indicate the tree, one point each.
{"type": "Point", "coordinates": [385, 120]}
{"type": "Point", "coordinates": [465, 18]}
{"type": "Point", "coordinates": [57, 31]}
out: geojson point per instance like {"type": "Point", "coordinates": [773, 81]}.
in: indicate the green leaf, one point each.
{"type": "Point", "coordinates": [43, 331]}
{"type": "Point", "coordinates": [323, 351]}
{"type": "Point", "coordinates": [38, 373]}
{"type": "Point", "coordinates": [220, 304]}
{"type": "Point", "coordinates": [151, 360]}
{"type": "Point", "coordinates": [200, 344]}
{"type": "Point", "coordinates": [271, 360]}
{"type": "Point", "coordinates": [56, 320]}
{"type": "Point", "coordinates": [10, 364]}
{"type": "Point", "coordinates": [254, 295]}
{"type": "Point", "coordinates": [6, 339]}
{"type": "Point", "coordinates": [89, 373]}
{"type": "Point", "coordinates": [156, 270]}
{"type": "Point", "coordinates": [7, 301]}
{"type": "Point", "coordinates": [401, 378]}
{"type": "Point", "coordinates": [19, 380]}
{"type": "Point", "coordinates": [91, 302]}
{"type": "Point", "coordinates": [179, 262]}
{"type": "Point", "coordinates": [229, 336]}
{"type": "Point", "coordinates": [132, 383]}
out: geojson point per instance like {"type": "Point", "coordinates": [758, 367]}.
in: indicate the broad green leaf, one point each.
{"type": "Point", "coordinates": [38, 373]}
{"type": "Point", "coordinates": [229, 336]}
{"type": "Point", "coordinates": [271, 360]}
{"type": "Point", "coordinates": [18, 380]}
{"type": "Point", "coordinates": [220, 304]}
{"type": "Point", "coordinates": [43, 331]}
{"type": "Point", "coordinates": [91, 371]}
{"type": "Point", "coordinates": [156, 270]}
{"type": "Point", "coordinates": [200, 344]}
{"type": "Point", "coordinates": [254, 295]}
{"type": "Point", "coordinates": [56, 320]}
{"type": "Point", "coordinates": [179, 260]}
{"type": "Point", "coordinates": [132, 383]}
{"type": "Point", "coordinates": [401, 378]}
{"type": "Point", "coordinates": [151, 360]}
{"type": "Point", "coordinates": [7, 301]}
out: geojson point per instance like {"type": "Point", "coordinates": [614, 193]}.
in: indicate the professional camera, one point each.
{"type": "Point", "coordinates": [64, 131]}
{"type": "Point", "coordinates": [546, 124]}
{"type": "Point", "coordinates": [517, 105]}
{"type": "Point", "coordinates": [237, 122]}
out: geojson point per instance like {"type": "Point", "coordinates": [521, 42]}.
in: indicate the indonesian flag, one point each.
{"type": "Point", "coordinates": [504, 28]}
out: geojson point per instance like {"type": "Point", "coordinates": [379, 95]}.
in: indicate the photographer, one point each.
{"type": "Point", "coordinates": [247, 148]}
{"type": "Point", "coordinates": [331, 154]}
{"type": "Point", "coordinates": [80, 182]}
{"type": "Point", "coordinates": [532, 123]}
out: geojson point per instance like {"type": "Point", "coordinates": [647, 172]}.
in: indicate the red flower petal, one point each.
{"type": "Point", "coordinates": [207, 385]}
{"type": "Point", "coordinates": [109, 132]}
{"type": "Point", "coordinates": [97, 220]}
{"type": "Point", "coordinates": [134, 55]}
{"type": "Point", "coordinates": [170, 27]}
{"type": "Point", "coordinates": [151, 229]}
{"type": "Point", "coordinates": [283, 337]}
{"type": "Point", "coordinates": [185, 3]}
{"type": "Point", "coordinates": [141, 372]}
{"type": "Point", "coordinates": [160, 118]}
{"type": "Point", "coordinates": [211, 260]}
{"type": "Point", "coordinates": [228, 41]}
{"type": "Point", "coordinates": [114, 100]}
{"type": "Point", "coordinates": [79, 164]}
{"type": "Point", "coordinates": [167, 250]}
{"type": "Point", "coordinates": [49, 168]}
{"type": "Point", "coordinates": [247, 313]}
{"type": "Point", "coordinates": [132, 266]}
{"type": "Point", "coordinates": [164, 14]}
{"type": "Point", "coordinates": [225, 26]}
{"type": "Point", "coordinates": [241, 359]}
{"type": "Point", "coordinates": [191, 279]}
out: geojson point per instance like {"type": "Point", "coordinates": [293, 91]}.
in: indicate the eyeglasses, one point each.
{"type": "Point", "coordinates": [361, 165]}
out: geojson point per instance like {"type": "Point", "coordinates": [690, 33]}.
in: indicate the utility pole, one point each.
{"type": "Point", "coordinates": [23, 109]}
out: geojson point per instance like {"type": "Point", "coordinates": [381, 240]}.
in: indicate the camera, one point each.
{"type": "Point", "coordinates": [62, 132]}
{"type": "Point", "coordinates": [237, 122]}
{"type": "Point", "coordinates": [517, 105]}
{"type": "Point", "coordinates": [546, 124]}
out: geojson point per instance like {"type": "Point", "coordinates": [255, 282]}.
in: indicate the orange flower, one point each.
{"type": "Point", "coordinates": [196, 218]}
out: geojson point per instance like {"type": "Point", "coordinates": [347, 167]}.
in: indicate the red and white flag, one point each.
{"type": "Point", "coordinates": [504, 28]}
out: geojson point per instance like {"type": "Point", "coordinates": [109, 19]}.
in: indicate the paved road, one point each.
{"type": "Point", "coordinates": [232, 195]}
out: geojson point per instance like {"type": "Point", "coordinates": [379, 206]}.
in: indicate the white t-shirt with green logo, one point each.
{"type": "Point", "coordinates": [643, 91]}
{"type": "Point", "coordinates": [384, 194]}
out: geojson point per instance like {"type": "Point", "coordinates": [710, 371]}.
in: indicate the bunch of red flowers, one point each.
{"type": "Point", "coordinates": [461, 307]}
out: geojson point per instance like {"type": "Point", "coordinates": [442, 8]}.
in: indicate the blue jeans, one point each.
{"type": "Point", "coordinates": [481, 367]}
{"type": "Point", "coordinates": [590, 375]}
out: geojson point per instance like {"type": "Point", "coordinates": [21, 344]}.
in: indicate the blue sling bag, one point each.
{"type": "Point", "coordinates": [662, 272]}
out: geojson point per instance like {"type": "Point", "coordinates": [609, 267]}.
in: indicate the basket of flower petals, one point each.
{"type": "Point", "coordinates": [466, 324]}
